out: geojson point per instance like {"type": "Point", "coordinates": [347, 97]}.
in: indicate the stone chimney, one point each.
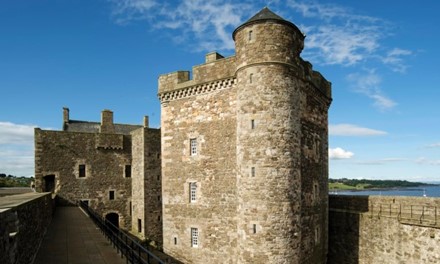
{"type": "Point", "coordinates": [65, 115]}
{"type": "Point", "coordinates": [146, 121]}
{"type": "Point", "coordinates": [107, 125]}
{"type": "Point", "coordinates": [65, 118]}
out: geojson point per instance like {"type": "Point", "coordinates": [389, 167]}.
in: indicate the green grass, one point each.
{"type": "Point", "coordinates": [342, 186]}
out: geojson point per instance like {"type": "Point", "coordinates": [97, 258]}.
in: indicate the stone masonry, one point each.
{"type": "Point", "coordinates": [383, 229]}
{"type": "Point", "coordinates": [93, 162]}
{"type": "Point", "coordinates": [244, 152]}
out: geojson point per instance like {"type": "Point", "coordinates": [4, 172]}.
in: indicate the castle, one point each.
{"type": "Point", "coordinates": [238, 171]}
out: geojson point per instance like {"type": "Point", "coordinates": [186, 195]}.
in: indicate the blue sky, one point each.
{"type": "Point", "coordinates": [382, 58]}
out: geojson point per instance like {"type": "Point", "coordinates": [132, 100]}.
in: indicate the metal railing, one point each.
{"type": "Point", "coordinates": [125, 245]}
{"type": "Point", "coordinates": [423, 214]}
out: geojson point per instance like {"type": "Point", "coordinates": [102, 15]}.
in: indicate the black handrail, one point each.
{"type": "Point", "coordinates": [132, 250]}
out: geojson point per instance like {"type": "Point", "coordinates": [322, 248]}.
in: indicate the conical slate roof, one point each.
{"type": "Point", "coordinates": [264, 15]}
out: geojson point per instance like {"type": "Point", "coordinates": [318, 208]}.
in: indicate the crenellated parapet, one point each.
{"type": "Point", "coordinates": [217, 73]}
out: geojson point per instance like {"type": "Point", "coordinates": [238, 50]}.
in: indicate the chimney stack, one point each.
{"type": "Point", "coordinates": [146, 121]}
{"type": "Point", "coordinates": [107, 125]}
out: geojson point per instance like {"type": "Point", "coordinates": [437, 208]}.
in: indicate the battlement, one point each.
{"type": "Point", "coordinates": [215, 68]}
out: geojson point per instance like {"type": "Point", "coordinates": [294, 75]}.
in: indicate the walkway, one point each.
{"type": "Point", "coordinates": [73, 238]}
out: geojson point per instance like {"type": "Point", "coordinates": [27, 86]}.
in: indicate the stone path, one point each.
{"type": "Point", "coordinates": [73, 238]}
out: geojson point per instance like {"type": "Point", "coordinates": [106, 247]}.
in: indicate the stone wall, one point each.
{"type": "Point", "coordinates": [209, 118]}
{"type": "Point", "coordinates": [146, 185]}
{"type": "Point", "coordinates": [383, 229]}
{"type": "Point", "coordinates": [23, 225]}
{"type": "Point", "coordinates": [61, 155]}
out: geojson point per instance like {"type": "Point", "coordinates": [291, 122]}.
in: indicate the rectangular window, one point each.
{"type": "Point", "coordinates": [82, 170]}
{"type": "Point", "coordinates": [127, 171]}
{"type": "Point", "coordinates": [130, 210]}
{"type": "Point", "coordinates": [193, 146]}
{"type": "Point", "coordinates": [255, 229]}
{"type": "Point", "coordinates": [252, 124]}
{"type": "Point", "coordinates": [317, 235]}
{"type": "Point", "coordinates": [175, 240]}
{"type": "Point", "coordinates": [250, 36]}
{"type": "Point", "coordinates": [111, 195]}
{"type": "Point", "coordinates": [139, 225]}
{"type": "Point", "coordinates": [251, 76]}
{"type": "Point", "coordinates": [194, 237]}
{"type": "Point", "coordinates": [253, 171]}
{"type": "Point", "coordinates": [315, 191]}
{"type": "Point", "coordinates": [192, 192]}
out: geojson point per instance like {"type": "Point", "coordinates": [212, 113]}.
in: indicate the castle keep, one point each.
{"type": "Point", "coordinates": [238, 171]}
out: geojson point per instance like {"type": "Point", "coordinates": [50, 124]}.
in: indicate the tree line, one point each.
{"type": "Point", "coordinates": [15, 181]}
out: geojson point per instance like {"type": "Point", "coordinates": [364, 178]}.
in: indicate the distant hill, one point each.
{"type": "Point", "coordinates": [15, 181]}
{"type": "Point", "coordinates": [350, 184]}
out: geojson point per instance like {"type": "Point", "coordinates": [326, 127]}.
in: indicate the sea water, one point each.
{"type": "Point", "coordinates": [429, 191]}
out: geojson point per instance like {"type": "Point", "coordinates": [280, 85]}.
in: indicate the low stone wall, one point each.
{"type": "Point", "coordinates": [383, 229]}
{"type": "Point", "coordinates": [24, 219]}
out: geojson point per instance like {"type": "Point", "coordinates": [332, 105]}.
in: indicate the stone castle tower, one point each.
{"type": "Point", "coordinates": [244, 152]}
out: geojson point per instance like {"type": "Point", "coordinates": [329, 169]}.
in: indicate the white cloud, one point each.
{"type": "Point", "coordinates": [342, 37]}
{"type": "Point", "coordinates": [381, 161]}
{"type": "Point", "coordinates": [353, 130]}
{"type": "Point", "coordinates": [435, 145]}
{"type": "Point", "coordinates": [11, 133]}
{"type": "Point", "coordinates": [395, 61]}
{"type": "Point", "coordinates": [368, 83]}
{"type": "Point", "coordinates": [423, 160]}
{"type": "Point", "coordinates": [16, 149]}
{"type": "Point", "coordinates": [210, 23]}
{"type": "Point", "coordinates": [339, 153]}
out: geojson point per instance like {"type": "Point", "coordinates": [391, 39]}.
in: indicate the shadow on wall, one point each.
{"type": "Point", "coordinates": [344, 223]}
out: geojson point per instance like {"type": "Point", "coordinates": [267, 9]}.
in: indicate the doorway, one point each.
{"type": "Point", "coordinates": [49, 183]}
{"type": "Point", "coordinates": [113, 218]}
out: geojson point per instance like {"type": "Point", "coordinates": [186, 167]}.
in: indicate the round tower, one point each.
{"type": "Point", "coordinates": [270, 84]}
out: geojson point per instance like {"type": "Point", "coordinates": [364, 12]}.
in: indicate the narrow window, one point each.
{"type": "Point", "coordinates": [158, 198]}
{"type": "Point", "coordinates": [127, 171]}
{"type": "Point", "coordinates": [251, 33]}
{"type": "Point", "coordinates": [252, 124]}
{"type": "Point", "coordinates": [82, 170]}
{"type": "Point", "coordinates": [193, 146]}
{"type": "Point", "coordinates": [130, 210]}
{"type": "Point", "coordinates": [317, 235]}
{"type": "Point", "coordinates": [253, 171]}
{"type": "Point", "coordinates": [158, 218]}
{"type": "Point", "coordinates": [255, 229]}
{"type": "Point", "coordinates": [158, 177]}
{"type": "Point", "coordinates": [175, 240]}
{"type": "Point", "coordinates": [315, 191]}
{"type": "Point", "coordinates": [251, 76]}
{"type": "Point", "coordinates": [194, 237]}
{"type": "Point", "coordinates": [192, 192]}
{"type": "Point", "coordinates": [139, 225]}
{"type": "Point", "coordinates": [111, 195]}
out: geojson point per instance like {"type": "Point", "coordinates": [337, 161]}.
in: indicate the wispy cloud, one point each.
{"type": "Point", "coordinates": [16, 149]}
{"type": "Point", "coordinates": [394, 59]}
{"type": "Point", "coordinates": [339, 153]}
{"type": "Point", "coordinates": [342, 37]}
{"type": "Point", "coordinates": [210, 23]}
{"type": "Point", "coordinates": [435, 145]}
{"type": "Point", "coordinates": [381, 161]}
{"type": "Point", "coordinates": [368, 83]}
{"type": "Point", "coordinates": [423, 160]}
{"type": "Point", "coordinates": [353, 130]}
